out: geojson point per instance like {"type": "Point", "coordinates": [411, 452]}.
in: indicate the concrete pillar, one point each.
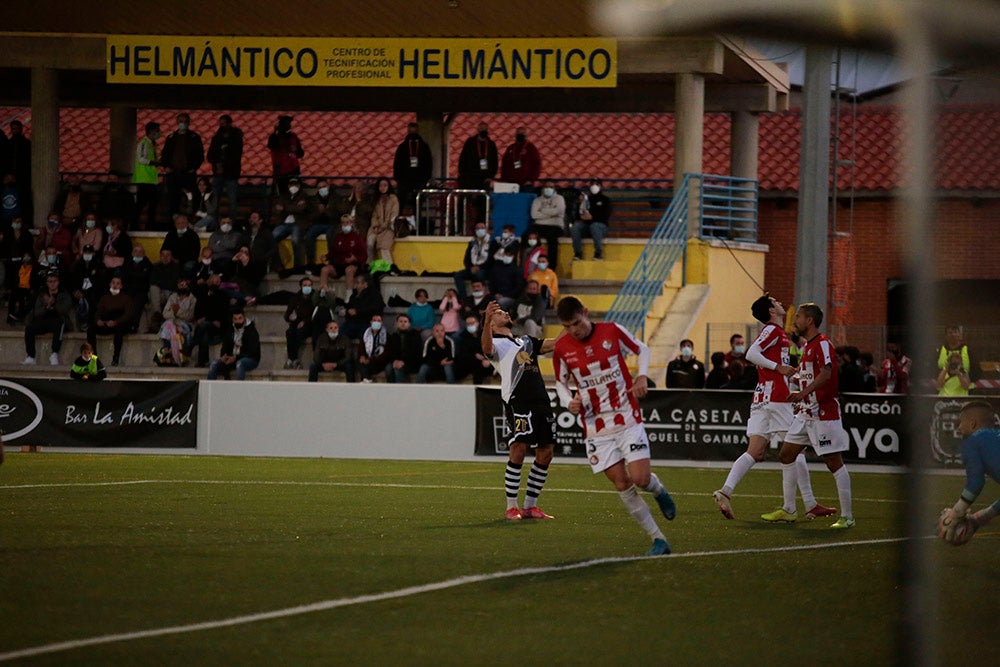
{"type": "Point", "coordinates": [44, 141]}
{"type": "Point", "coordinates": [814, 174]}
{"type": "Point", "coordinates": [743, 161]}
{"type": "Point", "coordinates": [123, 138]}
{"type": "Point", "coordinates": [688, 132]}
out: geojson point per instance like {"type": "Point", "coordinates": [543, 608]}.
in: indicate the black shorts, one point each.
{"type": "Point", "coordinates": [534, 424]}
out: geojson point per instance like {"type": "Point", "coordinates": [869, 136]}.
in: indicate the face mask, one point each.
{"type": "Point", "coordinates": [53, 223]}
{"type": "Point", "coordinates": [51, 259]}
{"type": "Point", "coordinates": [91, 224]}
{"type": "Point", "coordinates": [183, 291]}
{"type": "Point", "coordinates": [542, 266]}
{"type": "Point", "coordinates": [478, 294]}
{"type": "Point", "coordinates": [88, 257]}
{"type": "Point", "coordinates": [16, 226]}
{"type": "Point", "coordinates": [548, 192]}
{"type": "Point", "coordinates": [182, 126]}
{"type": "Point", "coordinates": [506, 259]}
{"type": "Point", "coordinates": [87, 359]}
{"type": "Point", "coordinates": [480, 233]}
{"type": "Point", "coordinates": [238, 326]}
{"type": "Point", "coordinates": [115, 291]}
{"type": "Point", "coordinates": [347, 228]}
{"type": "Point", "coordinates": [226, 229]}
{"type": "Point", "coordinates": [324, 192]}
{"type": "Point", "coordinates": [505, 235]}
{"type": "Point", "coordinates": [307, 290]}
{"type": "Point", "coordinates": [333, 334]}
{"type": "Point", "coordinates": [293, 189]}
{"type": "Point", "coordinates": [739, 349]}
{"type": "Point", "coordinates": [594, 189]}
{"type": "Point", "coordinates": [376, 326]}
{"type": "Point", "coordinates": [206, 262]}
{"type": "Point", "coordinates": [532, 242]}
{"type": "Point", "coordinates": [138, 260]}
{"type": "Point", "coordinates": [472, 328]}
{"type": "Point", "coordinates": [686, 352]}
{"type": "Point", "coordinates": [109, 229]}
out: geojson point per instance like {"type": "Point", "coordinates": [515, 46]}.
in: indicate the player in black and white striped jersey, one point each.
{"type": "Point", "coordinates": [527, 408]}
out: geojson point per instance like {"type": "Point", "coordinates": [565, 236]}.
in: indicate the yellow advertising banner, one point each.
{"type": "Point", "coordinates": [309, 61]}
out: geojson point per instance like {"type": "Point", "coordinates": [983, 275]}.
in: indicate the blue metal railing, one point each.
{"type": "Point", "coordinates": [727, 207]}
{"type": "Point", "coordinates": [645, 281]}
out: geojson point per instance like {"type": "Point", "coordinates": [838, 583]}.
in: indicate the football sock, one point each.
{"type": "Point", "coordinates": [844, 491]}
{"type": "Point", "coordinates": [655, 486]}
{"type": "Point", "coordinates": [512, 482]}
{"type": "Point", "coordinates": [639, 510]}
{"type": "Point", "coordinates": [789, 479]}
{"type": "Point", "coordinates": [805, 484]}
{"type": "Point", "coordinates": [741, 467]}
{"type": "Point", "coordinates": [536, 480]}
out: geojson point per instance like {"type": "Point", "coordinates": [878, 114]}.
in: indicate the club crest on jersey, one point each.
{"type": "Point", "coordinates": [607, 345]}
{"type": "Point", "coordinates": [589, 351]}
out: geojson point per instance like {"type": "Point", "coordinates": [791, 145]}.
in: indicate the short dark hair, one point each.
{"type": "Point", "coordinates": [152, 127]}
{"type": "Point", "coordinates": [812, 311]}
{"type": "Point", "coordinates": [226, 117]}
{"type": "Point", "coordinates": [761, 309]}
{"type": "Point", "coordinates": [718, 358]}
{"type": "Point", "coordinates": [568, 307]}
{"type": "Point", "coordinates": [734, 337]}
{"type": "Point", "coordinates": [303, 279]}
{"type": "Point", "coordinates": [687, 340]}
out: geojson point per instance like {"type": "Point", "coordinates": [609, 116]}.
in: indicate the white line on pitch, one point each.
{"type": "Point", "coordinates": [382, 485]}
{"type": "Point", "coordinates": [326, 605]}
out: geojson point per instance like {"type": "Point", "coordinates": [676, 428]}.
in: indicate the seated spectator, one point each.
{"type": "Point", "coordinates": [16, 242]}
{"type": "Point", "coordinates": [87, 367]}
{"type": "Point", "coordinates": [359, 207]}
{"type": "Point", "coordinates": [380, 233]}
{"type": "Point", "coordinates": [322, 209]}
{"type": "Point", "coordinates": [528, 313]}
{"type": "Point", "coordinates": [471, 360]}
{"type": "Point", "coordinates": [163, 277]}
{"type": "Point", "coordinates": [404, 351]}
{"type": "Point", "coordinates": [184, 245]}
{"type": "Point", "coordinates": [205, 207]}
{"type": "Point", "coordinates": [741, 376]}
{"type": "Point", "coordinates": [451, 313]}
{"type": "Point", "coordinates": [240, 350]}
{"type": "Point", "coordinates": [478, 259]}
{"type": "Point", "coordinates": [421, 313]}
{"type": "Point", "coordinates": [685, 371]}
{"type": "Point", "coordinates": [347, 256]}
{"type": "Point", "coordinates": [719, 375]}
{"type": "Point", "coordinates": [206, 267]}
{"type": "Point", "coordinates": [506, 280]}
{"type": "Point", "coordinates": [591, 220]}
{"type": "Point", "coordinates": [372, 357]}
{"type": "Point", "coordinates": [113, 317]}
{"type": "Point", "coordinates": [117, 245]}
{"type": "Point", "coordinates": [475, 304]}
{"type": "Point", "coordinates": [737, 348]}
{"type": "Point", "coordinates": [22, 289]}
{"type": "Point", "coordinates": [88, 234]}
{"type": "Point", "coordinates": [178, 320]}
{"type": "Point", "coordinates": [247, 275]}
{"type": "Point", "coordinates": [332, 353]}
{"type": "Point", "coordinates": [850, 377]}
{"type": "Point", "coordinates": [225, 242]}
{"type": "Point", "coordinates": [137, 280]}
{"type": "Point", "coordinates": [548, 217]}
{"type": "Point", "coordinates": [364, 302]}
{"type": "Point", "coordinates": [50, 314]}
{"type": "Point", "coordinates": [293, 212]}
{"type": "Point", "coordinates": [508, 241]}
{"type": "Point", "coordinates": [298, 315]}
{"type": "Point", "coordinates": [59, 235]}
{"type": "Point", "coordinates": [51, 262]}
{"type": "Point", "coordinates": [116, 201]}
{"type": "Point", "coordinates": [894, 377]}
{"type": "Point", "coordinates": [211, 320]}
{"type": "Point", "coordinates": [532, 251]}
{"type": "Point", "coordinates": [438, 358]}
{"type": "Point", "coordinates": [546, 279]}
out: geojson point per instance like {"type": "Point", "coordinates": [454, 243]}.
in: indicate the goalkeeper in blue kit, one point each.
{"type": "Point", "coordinates": [981, 456]}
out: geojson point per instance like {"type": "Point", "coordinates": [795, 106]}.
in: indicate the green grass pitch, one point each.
{"type": "Point", "coordinates": [185, 548]}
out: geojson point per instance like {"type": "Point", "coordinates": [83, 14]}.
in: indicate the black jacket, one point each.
{"type": "Point", "coordinates": [251, 342]}
{"type": "Point", "coordinates": [226, 148]}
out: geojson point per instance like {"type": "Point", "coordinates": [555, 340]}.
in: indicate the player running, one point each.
{"type": "Point", "coordinates": [981, 456]}
{"type": "Point", "coordinates": [593, 354]}
{"type": "Point", "coordinates": [526, 407]}
{"type": "Point", "coordinates": [770, 410]}
{"type": "Point", "coordinates": [817, 419]}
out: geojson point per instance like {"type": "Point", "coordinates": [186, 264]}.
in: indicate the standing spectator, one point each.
{"type": "Point", "coordinates": [19, 159]}
{"type": "Point", "coordinates": [547, 279]}
{"type": "Point", "coordinates": [146, 177]}
{"type": "Point", "coordinates": [592, 220]}
{"type": "Point", "coordinates": [286, 151]}
{"type": "Point", "coordinates": [332, 353]}
{"type": "Point", "coordinates": [347, 255]}
{"type": "Point", "coordinates": [451, 311]}
{"type": "Point", "coordinates": [506, 280]}
{"type": "Point", "coordinates": [322, 208]}
{"type": "Point", "coordinates": [380, 234]}
{"type": "Point", "coordinates": [365, 302]}
{"type": "Point", "coordinates": [421, 313]}
{"type": "Point", "coordinates": [163, 277]}
{"type": "Point", "coordinates": [16, 244]}
{"type": "Point", "coordinates": [298, 315]}
{"type": "Point", "coordinates": [178, 320]}
{"type": "Point", "coordinates": [685, 371]}
{"type": "Point", "coordinates": [262, 245]}
{"type": "Point", "coordinates": [372, 356]}
{"type": "Point", "coordinates": [404, 351]}
{"type": "Point", "coordinates": [87, 367]}
{"type": "Point", "coordinates": [478, 259]}
{"type": "Point", "coordinates": [529, 311]}
{"type": "Point", "coordinates": [471, 360]}
{"type": "Point", "coordinates": [240, 350]}
{"type": "Point", "coordinates": [206, 207]}
{"type": "Point", "coordinates": [412, 165]}
{"type": "Point", "coordinates": [11, 201]}
{"type": "Point", "coordinates": [477, 167]}
{"type": "Point", "coordinates": [137, 273]}
{"type": "Point", "coordinates": [851, 379]}
{"type": "Point", "coordinates": [521, 164]}
{"type": "Point", "coordinates": [894, 377]}
{"type": "Point", "coordinates": [87, 281]}
{"type": "Point", "coordinates": [183, 244]}
{"type": "Point", "coordinates": [225, 154]}
{"type": "Point", "coordinates": [211, 320]}
{"type": "Point", "coordinates": [737, 348]}
{"type": "Point", "coordinates": [867, 361]}
{"type": "Point", "coordinates": [953, 380]}
{"type": "Point", "coordinates": [49, 315]}
{"type": "Point", "coordinates": [293, 210]}
{"type": "Point", "coordinates": [69, 203]}
{"type": "Point", "coordinates": [113, 316]}
{"type": "Point", "coordinates": [88, 234]}
{"type": "Point", "coordinates": [953, 344]}
{"type": "Point", "coordinates": [359, 207]}
{"type": "Point", "coordinates": [183, 153]}
{"type": "Point", "coordinates": [719, 375]}
{"type": "Point", "coordinates": [548, 214]}
{"type": "Point", "coordinates": [116, 201]}
{"type": "Point", "coordinates": [438, 359]}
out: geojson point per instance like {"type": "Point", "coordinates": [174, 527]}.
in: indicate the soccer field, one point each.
{"type": "Point", "coordinates": [112, 559]}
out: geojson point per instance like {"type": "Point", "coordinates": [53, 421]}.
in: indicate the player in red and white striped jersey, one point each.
{"type": "Point", "coordinates": [817, 418]}
{"type": "Point", "coordinates": [770, 410]}
{"type": "Point", "coordinates": [593, 355]}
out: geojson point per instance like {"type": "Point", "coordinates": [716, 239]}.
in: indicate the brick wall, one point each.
{"type": "Point", "coordinates": [966, 232]}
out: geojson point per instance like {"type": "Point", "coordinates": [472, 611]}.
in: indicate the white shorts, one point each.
{"type": "Point", "coordinates": [825, 436]}
{"type": "Point", "coordinates": [605, 451]}
{"type": "Point", "coordinates": [769, 419]}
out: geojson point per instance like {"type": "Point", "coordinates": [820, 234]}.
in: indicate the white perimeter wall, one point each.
{"type": "Point", "coordinates": [337, 420]}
